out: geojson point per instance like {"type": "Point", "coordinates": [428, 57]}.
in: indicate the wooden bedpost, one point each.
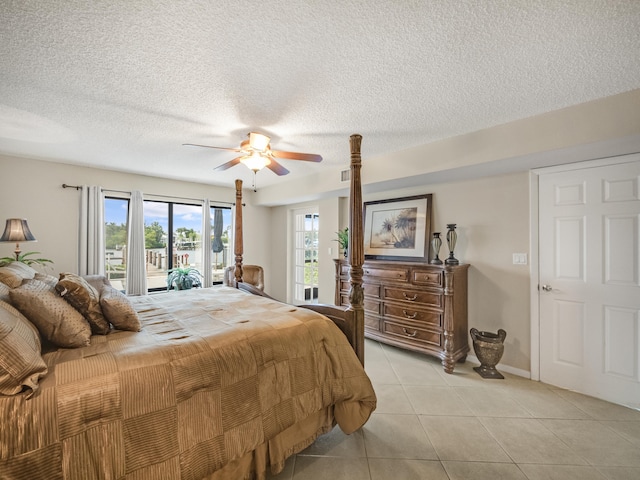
{"type": "Point", "coordinates": [356, 246]}
{"type": "Point", "coordinates": [238, 248]}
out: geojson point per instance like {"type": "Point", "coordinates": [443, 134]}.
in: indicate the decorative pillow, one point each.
{"type": "Point", "coordinates": [85, 299]}
{"type": "Point", "coordinates": [97, 281]}
{"type": "Point", "coordinates": [118, 310]}
{"type": "Point", "coordinates": [14, 273]}
{"type": "Point", "coordinates": [21, 365]}
{"type": "Point", "coordinates": [57, 321]}
{"type": "Point", "coordinates": [4, 292]}
{"type": "Point", "coordinates": [46, 278]}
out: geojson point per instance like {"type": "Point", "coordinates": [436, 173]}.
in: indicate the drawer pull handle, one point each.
{"type": "Point", "coordinates": [409, 316]}
{"type": "Point", "coordinates": [407, 297]}
{"type": "Point", "coordinates": [406, 332]}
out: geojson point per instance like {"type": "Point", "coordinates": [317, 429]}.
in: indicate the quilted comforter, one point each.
{"type": "Point", "coordinates": [218, 384]}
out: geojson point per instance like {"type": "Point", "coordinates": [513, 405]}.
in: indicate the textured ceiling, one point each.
{"type": "Point", "coordinates": [122, 84]}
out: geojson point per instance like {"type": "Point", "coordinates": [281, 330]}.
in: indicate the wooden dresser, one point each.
{"type": "Point", "coordinates": [417, 306]}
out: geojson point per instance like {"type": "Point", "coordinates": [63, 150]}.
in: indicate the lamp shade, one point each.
{"type": "Point", "coordinates": [17, 230]}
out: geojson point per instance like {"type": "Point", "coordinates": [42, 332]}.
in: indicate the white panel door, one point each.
{"type": "Point", "coordinates": [306, 225]}
{"type": "Point", "coordinates": [589, 229]}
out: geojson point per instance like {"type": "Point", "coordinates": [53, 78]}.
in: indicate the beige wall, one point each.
{"type": "Point", "coordinates": [33, 190]}
{"type": "Point", "coordinates": [492, 215]}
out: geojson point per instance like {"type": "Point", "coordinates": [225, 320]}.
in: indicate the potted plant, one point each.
{"type": "Point", "coordinates": [343, 240]}
{"type": "Point", "coordinates": [183, 278]}
{"type": "Point", "coordinates": [26, 259]}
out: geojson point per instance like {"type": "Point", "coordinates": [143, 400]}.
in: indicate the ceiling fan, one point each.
{"type": "Point", "coordinates": [256, 154]}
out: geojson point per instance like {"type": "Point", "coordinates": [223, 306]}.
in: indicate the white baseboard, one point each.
{"type": "Point", "coordinates": [504, 368]}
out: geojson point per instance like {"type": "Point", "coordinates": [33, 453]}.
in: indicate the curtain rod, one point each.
{"type": "Point", "coordinates": [78, 187]}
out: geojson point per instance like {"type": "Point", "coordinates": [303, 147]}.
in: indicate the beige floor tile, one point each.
{"type": "Point", "coordinates": [463, 439]}
{"type": "Point", "coordinates": [436, 400]}
{"type": "Point", "coordinates": [403, 469]}
{"type": "Point", "coordinates": [415, 368]}
{"type": "Point", "coordinates": [331, 468]}
{"type": "Point", "coordinates": [380, 372]}
{"type": "Point", "coordinates": [528, 441]}
{"type": "Point", "coordinates": [620, 473]}
{"type": "Point", "coordinates": [600, 409]}
{"type": "Point", "coordinates": [629, 430]}
{"type": "Point", "coordinates": [397, 436]}
{"type": "Point", "coordinates": [595, 442]}
{"type": "Point", "coordinates": [483, 471]}
{"type": "Point", "coordinates": [337, 444]}
{"type": "Point", "coordinates": [547, 403]}
{"type": "Point", "coordinates": [560, 472]}
{"type": "Point", "coordinates": [490, 402]}
{"type": "Point", "coordinates": [392, 399]}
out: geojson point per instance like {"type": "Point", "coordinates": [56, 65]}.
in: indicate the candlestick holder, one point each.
{"type": "Point", "coordinates": [452, 238]}
{"type": "Point", "coordinates": [436, 243]}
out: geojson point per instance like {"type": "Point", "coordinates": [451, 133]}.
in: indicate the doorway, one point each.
{"type": "Point", "coordinates": [588, 279]}
{"type": "Point", "coordinates": [306, 225]}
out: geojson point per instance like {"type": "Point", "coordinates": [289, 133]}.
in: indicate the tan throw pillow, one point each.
{"type": "Point", "coordinates": [56, 320]}
{"type": "Point", "coordinates": [85, 299]}
{"type": "Point", "coordinates": [46, 278]}
{"type": "Point", "coordinates": [14, 273]}
{"type": "Point", "coordinates": [4, 292]}
{"type": "Point", "coordinates": [21, 365]}
{"type": "Point", "coordinates": [118, 310]}
{"type": "Point", "coordinates": [97, 281]}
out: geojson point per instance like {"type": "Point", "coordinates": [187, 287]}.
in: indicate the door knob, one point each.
{"type": "Point", "coordinates": [547, 288]}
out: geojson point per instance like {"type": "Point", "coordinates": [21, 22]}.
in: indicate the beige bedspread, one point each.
{"type": "Point", "coordinates": [214, 375]}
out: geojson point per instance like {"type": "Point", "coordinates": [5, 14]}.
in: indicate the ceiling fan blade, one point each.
{"type": "Point", "coordinates": [276, 168]}
{"type": "Point", "coordinates": [210, 146]}
{"type": "Point", "coordinates": [307, 157]}
{"type": "Point", "coordinates": [229, 164]}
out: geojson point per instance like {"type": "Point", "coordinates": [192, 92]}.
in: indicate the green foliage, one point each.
{"type": "Point", "coordinates": [183, 278]}
{"type": "Point", "coordinates": [343, 238]}
{"type": "Point", "coordinates": [115, 235]}
{"type": "Point", "coordinates": [25, 258]}
{"type": "Point", "coordinates": [153, 235]}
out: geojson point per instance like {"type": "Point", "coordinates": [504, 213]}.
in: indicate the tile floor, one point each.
{"type": "Point", "coordinates": [431, 425]}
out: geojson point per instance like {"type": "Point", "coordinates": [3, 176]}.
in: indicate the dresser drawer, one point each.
{"type": "Point", "coordinates": [414, 334]}
{"type": "Point", "coordinates": [344, 268]}
{"type": "Point", "coordinates": [404, 312]}
{"type": "Point", "coordinates": [372, 322]}
{"type": "Point", "coordinates": [345, 286]}
{"type": "Point", "coordinates": [432, 299]}
{"type": "Point", "coordinates": [426, 277]}
{"type": "Point", "coordinates": [395, 274]}
{"type": "Point", "coordinates": [371, 306]}
{"type": "Point", "coordinates": [371, 290]}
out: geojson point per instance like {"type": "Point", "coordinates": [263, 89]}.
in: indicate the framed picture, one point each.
{"type": "Point", "coordinates": [398, 229]}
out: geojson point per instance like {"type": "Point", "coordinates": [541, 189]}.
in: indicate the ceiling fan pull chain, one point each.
{"type": "Point", "coordinates": [254, 181]}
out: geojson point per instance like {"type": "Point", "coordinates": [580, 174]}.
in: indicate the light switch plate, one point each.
{"type": "Point", "coordinates": [519, 258]}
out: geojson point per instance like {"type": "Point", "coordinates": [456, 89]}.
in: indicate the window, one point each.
{"type": "Point", "coordinates": [185, 243]}
{"type": "Point", "coordinates": [306, 225]}
{"type": "Point", "coordinates": [115, 233]}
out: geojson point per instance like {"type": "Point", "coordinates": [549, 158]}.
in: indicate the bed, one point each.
{"type": "Point", "coordinates": [215, 383]}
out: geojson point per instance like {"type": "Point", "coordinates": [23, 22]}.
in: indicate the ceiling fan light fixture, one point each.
{"type": "Point", "coordinates": [258, 141]}
{"type": "Point", "coordinates": [256, 161]}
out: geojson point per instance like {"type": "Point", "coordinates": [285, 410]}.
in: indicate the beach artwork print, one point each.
{"type": "Point", "coordinates": [394, 228]}
{"type": "Point", "coordinates": [397, 228]}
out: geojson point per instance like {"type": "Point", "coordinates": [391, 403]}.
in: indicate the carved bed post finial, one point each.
{"type": "Point", "coordinates": [238, 248]}
{"type": "Point", "coordinates": [356, 245]}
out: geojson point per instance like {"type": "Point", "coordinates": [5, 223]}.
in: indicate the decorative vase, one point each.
{"type": "Point", "coordinates": [436, 243]}
{"type": "Point", "coordinates": [452, 238]}
{"type": "Point", "coordinates": [489, 348]}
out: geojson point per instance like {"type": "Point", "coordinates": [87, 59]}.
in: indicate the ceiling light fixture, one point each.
{"type": "Point", "coordinates": [256, 161]}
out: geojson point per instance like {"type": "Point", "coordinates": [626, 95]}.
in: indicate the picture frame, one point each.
{"type": "Point", "coordinates": [398, 228]}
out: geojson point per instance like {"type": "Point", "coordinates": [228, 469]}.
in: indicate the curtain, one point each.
{"type": "Point", "coordinates": [136, 262]}
{"type": "Point", "coordinates": [206, 244]}
{"type": "Point", "coordinates": [91, 252]}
